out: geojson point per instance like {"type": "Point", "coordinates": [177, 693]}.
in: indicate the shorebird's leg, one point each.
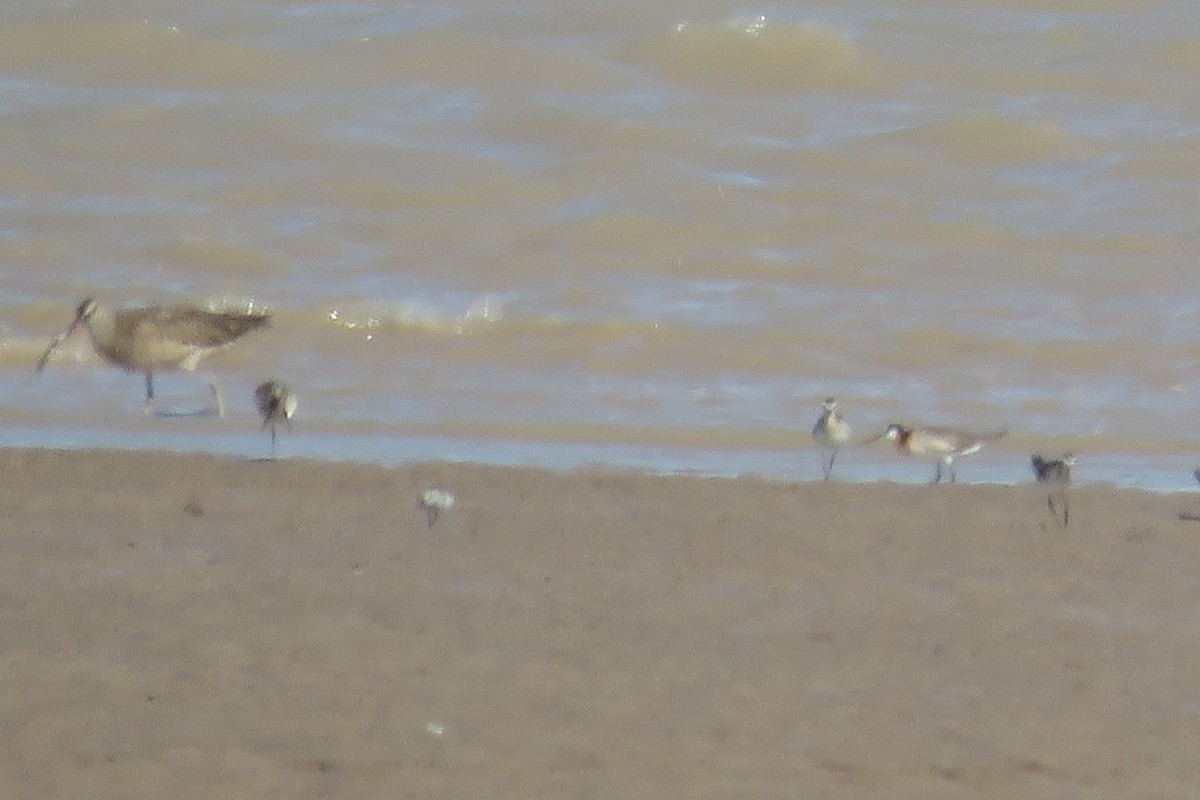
{"type": "Point", "coordinates": [1062, 500]}
{"type": "Point", "coordinates": [149, 393]}
{"type": "Point", "coordinates": [950, 466]}
{"type": "Point", "coordinates": [832, 458]}
{"type": "Point", "coordinates": [272, 440]}
{"type": "Point", "coordinates": [216, 390]}
{"type": "Point", "coordinates": [937, 475]}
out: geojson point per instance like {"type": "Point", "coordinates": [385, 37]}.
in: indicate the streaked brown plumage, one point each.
{"type": "Point", "coordinates": [157, 338]}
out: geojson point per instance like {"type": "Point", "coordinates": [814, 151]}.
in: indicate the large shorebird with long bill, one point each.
{"type": "Point", "coordinates": [158, 338]}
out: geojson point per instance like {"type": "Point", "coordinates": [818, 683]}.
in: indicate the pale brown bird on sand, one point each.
{"type": "Point", "coordinates": [158, 339]}
{"type": "Point", "coordinates": [276, 403]}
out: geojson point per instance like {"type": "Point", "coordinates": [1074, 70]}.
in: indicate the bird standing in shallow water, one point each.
{"type": "Point", "coordinates": [1056, 473]}
{"type": "Point", "coordinates": [276, 403]}
{"type": "Point", "coordinates": [944, 444]}
{"type": "Point", "coordinates": [830, 432]}
{"type": "Point", "coordinates": [158, 338]}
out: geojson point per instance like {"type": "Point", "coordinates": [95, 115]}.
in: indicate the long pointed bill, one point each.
{"type": "Point", "coordinates": [56, 342]}
{"type": "Point", "coordinates": [51, 350]}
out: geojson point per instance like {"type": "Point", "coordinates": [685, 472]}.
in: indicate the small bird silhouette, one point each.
{"type": "Point", "coordinates": [276, 403]}
{"type": "Point", "coordinates": [1055, 473]}
{"type": "Point", "coordinates": [830, 432]}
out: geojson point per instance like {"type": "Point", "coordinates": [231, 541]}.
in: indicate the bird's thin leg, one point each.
{"type": "Point", "coordinates": [937, 475]}
{"type": "Point", "coordinates": [149, 393]}
{"type": "Point", "coordinates": [832, 458]}
{"type": "Point", "coordinates": [950, 466]}
{"type": "Point", "coordinates": [272, 440]}
{"type": "Point", "coordinates": [1066, 515]}
{"type": "Point", "coordinates": [216, 390]}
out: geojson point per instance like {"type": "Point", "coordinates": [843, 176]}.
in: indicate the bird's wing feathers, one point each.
{"type": "Point", "coordinates": [194, 327]}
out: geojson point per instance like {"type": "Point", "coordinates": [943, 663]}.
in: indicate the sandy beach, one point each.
{"type": "Point", "coordinates": [194, 626]}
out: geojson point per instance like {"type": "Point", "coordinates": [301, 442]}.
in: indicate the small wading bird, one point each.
{"type": "Point", "coordinates": [276, 403]}
{"type": "Point", "coordinates": [830, 432]}
{"type": "Point", "coordinates": [158, 339]}
{"type": "Point", "coordinates": [1057, 474]}
{"type": "Point", "coordinates": [434, 501]}
{"type": "Point", "coordinates": [942, 444]}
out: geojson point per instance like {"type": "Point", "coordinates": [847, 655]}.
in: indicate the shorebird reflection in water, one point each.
{"type": "Point", "coordinates": [942, 444]}
{"type": "Point", "coordinates": [1055, 473]}
{"type": "Point", "coordinates": [276, 403]}
{"type": "Point", "coordinates": [157, 338]}
{"type": "Point", "coordinates": [830, 432]}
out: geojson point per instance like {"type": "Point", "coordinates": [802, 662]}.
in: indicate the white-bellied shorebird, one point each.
{"type": "Point", "coordinates": [276, 403]}
{"type": "Point", "coordinates": [434, 501]}
{"type": "Point", "coordinates": [1057, 474]}
{"type": "Point", "coordinates": [943, 444]}
{"type": "Point", "coordinates": [156, 338]}
{"type": "Point", "coordinates": [830, 432]}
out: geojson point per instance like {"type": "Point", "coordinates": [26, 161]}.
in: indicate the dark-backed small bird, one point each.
{"type": "Point", "coordinates": [158, 338]}
{"type": "Point", "coordinates": [942, 444]}
{"type": "Point", "coordinates": [830, 432]}
{"type": "Point", "coordinates": [1057, 470]}
{"type": "Point", "coordinates": [1056, 473]}
{"type": "Point", "coordinates": [276, 403]}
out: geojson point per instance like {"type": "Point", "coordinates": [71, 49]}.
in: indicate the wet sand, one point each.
{"type": "Point", "coordinates": [193, 626]}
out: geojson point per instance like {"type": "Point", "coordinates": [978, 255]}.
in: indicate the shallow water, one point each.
{"type": "Point", "coordinates": [647, 235]}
